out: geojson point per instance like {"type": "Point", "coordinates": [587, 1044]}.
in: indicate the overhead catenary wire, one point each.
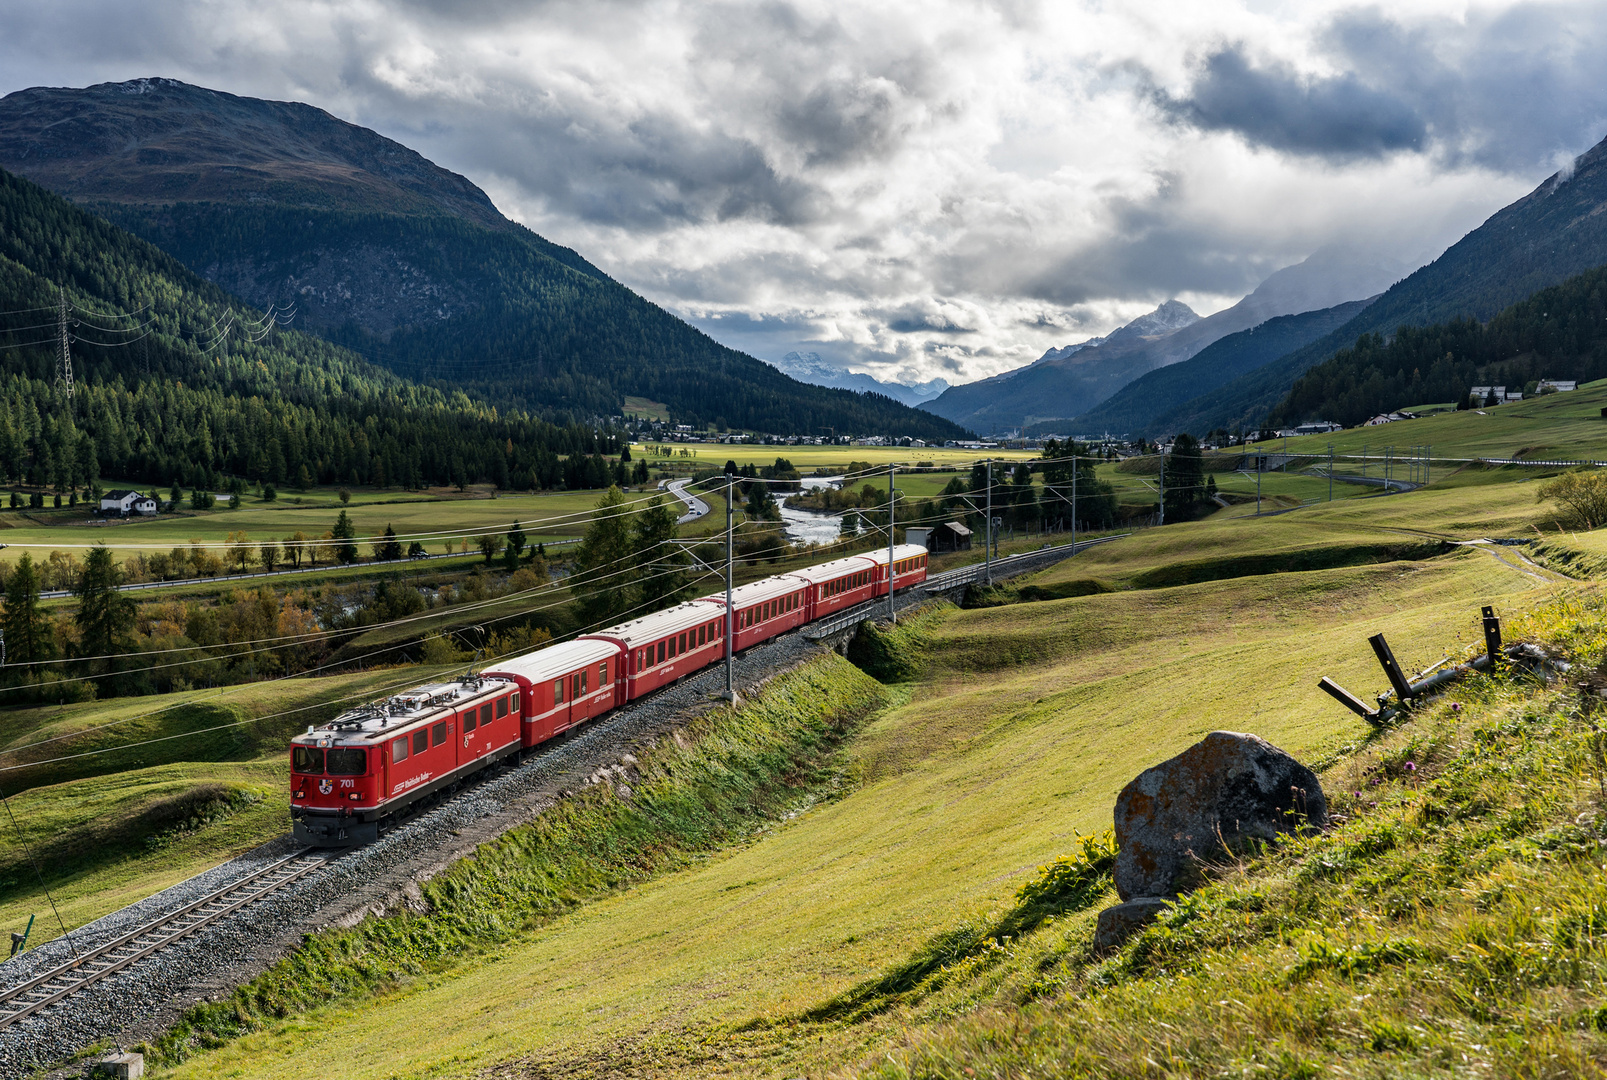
{"type": "Point", "coordinates": [258, 719]}
{"type": "Point", "coordinates": [232, 650]}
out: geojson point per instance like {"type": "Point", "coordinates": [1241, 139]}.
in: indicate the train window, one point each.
{"type": "Point", "coordinates": [682, 640]}
{"type": "Point", "coordinates": [557, 691]}
{"type": "Point", "coordinates": [602, 673]}
{"type": "Point", "coordinates": [438, 734]}
{"type": "Point", "coordinates": [502, 707]}
{"type": "Point", "coordinates": [352, 762]}
{"type": "Point", "coordinates": [513, 701]}
{"type": "Point", "coordinates": [661, 652]}
{"type": "Point", "coordinates": [702, 635]}
{"type": "Point", "coordinates": [399, 749]}
{"type": "Point", "coordinates": [485, 714]}
{"type": "Point", "coordinates": [468, 721]}
{"type": "Point", "coordinates": [421, 741]}
{"type": "Point", "coordinates": [585, 681]}
{"type": "Point", "coordinates": [307, 759]}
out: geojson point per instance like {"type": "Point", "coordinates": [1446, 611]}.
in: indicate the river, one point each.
{"type": "Point", "coordinates": [806, 526]}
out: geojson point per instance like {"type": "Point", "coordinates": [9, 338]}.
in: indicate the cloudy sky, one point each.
{"type": "Point", "coordinates": [915, 189]}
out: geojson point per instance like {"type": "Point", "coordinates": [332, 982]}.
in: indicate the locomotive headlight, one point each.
{"type": "Point", "coordinates": [354, 796]}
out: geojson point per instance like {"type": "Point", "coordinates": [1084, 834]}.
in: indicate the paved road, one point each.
{"type": "Point", "coordinates": [695, 507]}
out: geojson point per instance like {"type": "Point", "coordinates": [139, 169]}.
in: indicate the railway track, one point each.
{"type": "Point", "coordinates": [88, 968]}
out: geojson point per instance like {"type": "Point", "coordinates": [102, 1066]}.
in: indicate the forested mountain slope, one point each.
{"type": "Point", "coordinates": [160, 395]}
{"type": "Point", "coordinates": [389, 254]}
{"type": "Point", "coordinates": [1553, 233]}
{"type": "Point", "coordinates": [1136, 408]}
{"type": "Point", "coordinates": [1558, 333]}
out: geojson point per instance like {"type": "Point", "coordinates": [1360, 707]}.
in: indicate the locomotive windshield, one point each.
{"type": "Point", "coordinates": [307, 759]}
{"type": "Point", "coordinates": [348, 762]}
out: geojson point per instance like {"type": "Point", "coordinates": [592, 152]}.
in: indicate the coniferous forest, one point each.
{"type": "Point", "coordinates": [153, 403]}
{"type": "Point", "coordinates": [1558, 333]}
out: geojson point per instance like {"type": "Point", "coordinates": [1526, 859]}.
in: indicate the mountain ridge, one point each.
{"type": "Point", "coordinates": [388, 254]}
{"type": "Point", "coordinates": [810, 368]}
{"type": "Point", "coordinates": [1078, 381]}
{"type": "Point", "coordinates": [1555, 232]}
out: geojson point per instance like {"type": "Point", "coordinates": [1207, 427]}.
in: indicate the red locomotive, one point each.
{"type": "Point", "coordinates": [361, 771]}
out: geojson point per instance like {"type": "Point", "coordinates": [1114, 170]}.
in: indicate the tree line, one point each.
{"type": "Point", "coordinates": [159, 396]}
{"type": "Point", "coordinates": [1557, 333]}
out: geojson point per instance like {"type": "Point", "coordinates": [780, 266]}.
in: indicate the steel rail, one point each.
{"type": "Point", "coordinates": [45, 990]}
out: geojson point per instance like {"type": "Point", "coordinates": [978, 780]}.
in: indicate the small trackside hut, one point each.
{"type": "Point", "coordinates": [359, 772]}
{"type": "Point", "coordinates": [563, 685]}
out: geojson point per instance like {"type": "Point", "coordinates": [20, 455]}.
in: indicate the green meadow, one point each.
{"type": "Point", "coordinates": [1004, 732]}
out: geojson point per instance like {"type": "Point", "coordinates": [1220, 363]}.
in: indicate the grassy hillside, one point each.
{"type": "Point", "coordinates": [1556, 427]}
{"type": "Point", "coordinates": [1013, 730]}
{"type": "Point", "coordinates": [114, 828]}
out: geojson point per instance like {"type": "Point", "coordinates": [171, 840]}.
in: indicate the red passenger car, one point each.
{"type": "Point", "coordinates": [909, 567]}
{"type": "Point", "coordinates": [564, 685]}
{"type": "Point", "coordinates": [836, 585]}
{"type": "Point", "coordinates": [360, 770]}
{"type": "Point", "coordinates": [667, 645]}
{"type": "Point", "coordinates": [766, 608]}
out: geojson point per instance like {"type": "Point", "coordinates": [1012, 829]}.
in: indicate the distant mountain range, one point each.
{"type": "Point", "coordinates": [1065, 383]}
{"type": "Point", "coordinates": [1557, 231]}
{"type": "Point", "coordinates": [1148, 405]}
{"type": "Point", "coordinates": [810, 368]}
{"type": "Point", "coordinates": [384, 252]}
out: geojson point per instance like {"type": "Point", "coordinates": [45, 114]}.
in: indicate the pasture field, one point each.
{"type": "Point", "coordinates": [435, 522]}
{"type": "Point", "coordinates": [1554, 427]}
{"type": "Point", "coordinates": [1011, 732]}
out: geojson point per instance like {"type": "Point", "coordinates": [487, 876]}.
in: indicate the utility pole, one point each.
{"type": "Point", "coordinates": [1074, 496]}
{"type": "Point", "coordinates": [1260, 462]}
{"type": "Point", "coordinates": [1330, 472]}
{"type": "Point", "coordinates": [989, 535]}
{"type": "Point", "coordinates": [1163, 488]}
{"type": "Point", "coordinates": [64, 369]}
{"type": "Point", "coordinates": [1428, 463]}
{"type": "Point", "coordinates": [730, 614]}
{"type": "Point", "coordinates": [892, 616]}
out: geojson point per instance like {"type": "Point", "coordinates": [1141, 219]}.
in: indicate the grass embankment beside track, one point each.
{"type": "Point", "coordinates": [1009, 730]}
{"type": "Point", "coordinates": [723, 780]}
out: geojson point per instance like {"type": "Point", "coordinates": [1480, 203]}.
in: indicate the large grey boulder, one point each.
{"type": "Point", "coordinates": [1208, 802]}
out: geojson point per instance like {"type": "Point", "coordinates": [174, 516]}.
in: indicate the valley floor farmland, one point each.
{"type": "Point", "coordinates": [1013, 730]}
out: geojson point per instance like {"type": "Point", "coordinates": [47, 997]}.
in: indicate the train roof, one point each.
{"type": "Point", "coordinates": [902, 551]}
{"type": "Point", "coordinates": [379, 718]}
{"type": "Point", "coordinates": [669, 621]}
{"type": "Point", "coordinates": [756, 592]}
{"type": "Point", "coordinates": [555, 660]}
{"type": "Point", "coordinates": [827, 571]}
